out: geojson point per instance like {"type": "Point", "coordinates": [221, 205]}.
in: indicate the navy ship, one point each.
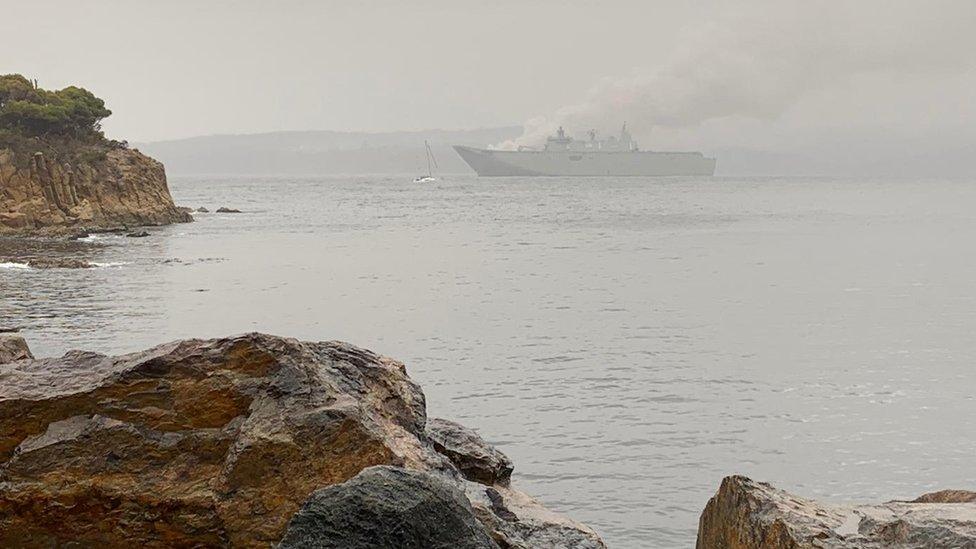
{"type": "Point", "coordinates": [565, 156]}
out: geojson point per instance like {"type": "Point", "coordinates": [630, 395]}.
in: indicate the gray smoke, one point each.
{"type": "Point", "coordinates": [758, 68]}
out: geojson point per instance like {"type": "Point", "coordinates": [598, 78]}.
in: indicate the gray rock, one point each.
{"type": "Point", "coordinates": [518, 521]}
{"type": "Point", "coordinates": [59, 263]}
{"type": "Point", "coordinates": [202, 210]}
{"type": "Point", "coordinates": [387, 507]}
{"type": "Point", "coordinates": [476, 459]}
{"type": "Point", "coordinates": [138, 234]}
{"type": "Point", "coordinates": [226, 210]}
{"type": "Point", "coordinates": [13, 347]}
{"type": "Point", "coordinates": [746, 514]}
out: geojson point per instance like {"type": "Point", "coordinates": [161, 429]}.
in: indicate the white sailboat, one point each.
{"type": "Point", "coordinates": [430, 158]}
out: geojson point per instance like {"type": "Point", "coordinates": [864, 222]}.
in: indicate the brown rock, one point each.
{"type": "Point", "coordinates": [207, 442]}
{"type": "Point", "coordinates": [745, 514]}
{"type": "Point", "coordinates": [49, 197]}
{"type": "Point", "coordinates": [947, 496]}
{"type": "Point", "coordinates": [476, 459]}
{"type": "Point", "coordinates": [13, 347]}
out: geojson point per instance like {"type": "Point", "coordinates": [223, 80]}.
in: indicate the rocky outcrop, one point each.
{"type": "Point", "coordinates": [46, 196]}
{"type": "Point", "coordinates": [220, 442]}
{"type": "Point", "coordinates": [13, 347]}
{"type": "Point", "coordinates": [387, 508]}
{"type": "Point", "coordinates": [745, 514]}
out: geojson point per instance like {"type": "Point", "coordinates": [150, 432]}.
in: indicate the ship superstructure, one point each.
{"type": "Point", "coordinates": [565, 156]}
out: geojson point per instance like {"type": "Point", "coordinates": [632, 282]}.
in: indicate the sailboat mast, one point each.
{"type": "Point", "coordinates": [427, 150]}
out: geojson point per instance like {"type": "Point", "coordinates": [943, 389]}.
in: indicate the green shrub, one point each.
{"type": "Point", "coordinates": [34, 112]}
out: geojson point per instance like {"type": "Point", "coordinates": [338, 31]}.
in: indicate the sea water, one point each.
{"type": "Point", "coordinates": [627, 342]}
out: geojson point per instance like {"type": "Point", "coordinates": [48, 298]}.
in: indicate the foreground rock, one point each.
{"type": "Point", "coordinates": [745, 514]}
{"type": "Point", "coordinates": [13, 347]}
{"type": "Point", "coordinates": [44, 195]}
{"type": "Point", "coordinates": [388, 508]}
{"type": "Point", "coordinates": [220, 442]}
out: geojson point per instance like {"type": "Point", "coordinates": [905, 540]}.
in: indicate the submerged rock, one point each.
{"type": "Point", "coordinates": [138, 234]}
{"type": "Point", "coordinates": [745, 514]}
{"type": "Point", "coordinates": [220, 442]}
{"type": "Point", "coordinates": [476, 459]}
{"type": "Point", "coordinates": [226, 210]}
{"type": "Point", "coordinates": [203, 210]}
{"type": "Point", "coordinates": [59, 263]}
{"type": "Point", "coordinates": [387, 508]}
{"type": "Point", "coordinates": [13, 347]}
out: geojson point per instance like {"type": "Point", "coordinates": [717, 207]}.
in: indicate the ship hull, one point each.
{"type": "Point", "coordinates": [490, 163]}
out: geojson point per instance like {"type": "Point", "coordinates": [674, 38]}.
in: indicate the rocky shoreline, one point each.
{"type": "Point", "coordinates": [251, 440]}
{"type": "Point", "coordinates": [114, 190]}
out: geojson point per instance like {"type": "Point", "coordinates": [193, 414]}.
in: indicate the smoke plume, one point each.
{"type": "Point", "coordinates": [758, 68]}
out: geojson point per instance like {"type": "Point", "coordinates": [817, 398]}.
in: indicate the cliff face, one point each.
{"type": "Point", "coordinates": [223, 443]}
{"type": "Point", "coordinates": [46, 196]}
{"type": "Point", "coordinates": [745, 514]}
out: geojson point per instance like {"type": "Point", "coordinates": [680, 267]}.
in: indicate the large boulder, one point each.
{"type": "Point", "coordinates": [387, 508]}
{"type": "Point", "coordinates": [13, 347]}
{"type": "Point", "coordinates": [476, 459]}
{"type": "Point", "coordinates": [746, 514]}
{"type": "Point", "coordinates": [212, 443]}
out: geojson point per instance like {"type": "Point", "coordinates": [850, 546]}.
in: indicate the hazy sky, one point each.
{"type": "Point", "coordinates": [689, 74]}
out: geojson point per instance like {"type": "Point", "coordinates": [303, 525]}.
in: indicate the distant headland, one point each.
{"type": "Point", "coordinates": [59, 174]}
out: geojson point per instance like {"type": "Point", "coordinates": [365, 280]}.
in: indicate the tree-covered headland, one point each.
{"type": "Point", "coordinates": [61, 121]}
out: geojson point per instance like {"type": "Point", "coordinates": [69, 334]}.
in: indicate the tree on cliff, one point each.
{"type": "Point", "coordinates": [30, 111]}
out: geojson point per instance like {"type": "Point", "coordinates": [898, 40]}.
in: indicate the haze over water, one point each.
{"type": "Point", "coordinates": [627, 342]}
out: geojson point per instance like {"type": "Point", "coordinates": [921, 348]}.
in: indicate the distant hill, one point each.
{"type": "Point", "coordinates": [321, 152]}
{"type": "Point", "coordinates": [946, 154]}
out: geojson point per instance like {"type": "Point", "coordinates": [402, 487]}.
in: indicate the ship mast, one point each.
{"type": "Point", "coordinates": [430, 157]}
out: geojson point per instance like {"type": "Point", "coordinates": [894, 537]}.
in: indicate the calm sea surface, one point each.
{"type": "Point", "coordinates": [627, 342]}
